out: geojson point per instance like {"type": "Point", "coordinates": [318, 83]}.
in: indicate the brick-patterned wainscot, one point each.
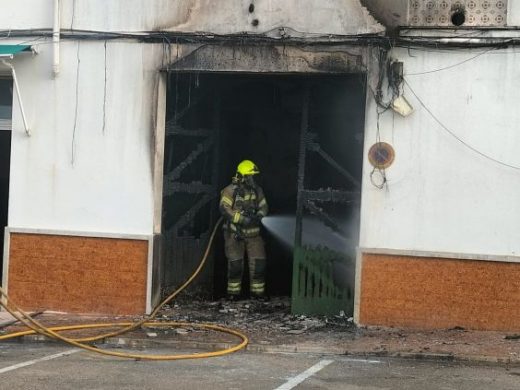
{"type": "Point", "coordinates": [78, 274]}
{"type": "Point", "coordinates": [436, 293]}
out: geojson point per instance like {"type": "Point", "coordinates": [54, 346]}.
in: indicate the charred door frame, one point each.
{"type": "Point", "coordinates": [241, 58]}
{"type": "Point", "coordinates": [173, 184]}
{"type": "Point", "coordinates": [313, 290]}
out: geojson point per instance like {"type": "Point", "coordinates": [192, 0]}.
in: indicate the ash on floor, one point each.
{"type": "Point", "coordinates": [259, 318]}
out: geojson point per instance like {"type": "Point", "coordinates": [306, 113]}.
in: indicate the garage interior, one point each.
{"type": "Point", "coordinates": [282, 122]}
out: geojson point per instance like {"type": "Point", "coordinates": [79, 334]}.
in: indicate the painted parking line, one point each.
{"type": "Point", "coordinates": [34, 361]}
{"type": "Point", "coordinates": [354, 360]}
{"type": "Point", "coordinates": [293, 382]}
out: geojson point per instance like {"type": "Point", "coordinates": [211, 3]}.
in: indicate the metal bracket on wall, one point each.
{"type": "Point", "coordinates": [19, 96]}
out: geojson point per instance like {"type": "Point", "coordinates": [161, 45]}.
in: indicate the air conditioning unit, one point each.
{"type": "Point", "coordinates": [457, 13]}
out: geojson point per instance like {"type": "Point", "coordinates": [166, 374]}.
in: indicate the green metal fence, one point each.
{"type": "Point", "coordinates": [315, 290]}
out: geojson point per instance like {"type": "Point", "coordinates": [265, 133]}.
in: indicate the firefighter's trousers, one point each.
{"type": "Point", "coordinates": [235, 252]}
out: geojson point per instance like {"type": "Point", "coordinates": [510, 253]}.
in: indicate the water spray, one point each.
{"type": "Point", "coordinates": [315, 234]}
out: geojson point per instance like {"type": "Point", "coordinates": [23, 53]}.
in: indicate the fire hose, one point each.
{"type": "Point", "coordinates": [149, 321]}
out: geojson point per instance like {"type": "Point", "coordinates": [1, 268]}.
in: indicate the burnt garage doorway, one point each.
{"type": "Point", "coordinates": [305, 132]}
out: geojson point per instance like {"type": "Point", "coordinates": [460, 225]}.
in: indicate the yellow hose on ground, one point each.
{"type": "Point", "coordinates": [53, 332]}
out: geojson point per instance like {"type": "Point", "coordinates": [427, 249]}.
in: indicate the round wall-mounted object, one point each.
{"type": "Point", "coordinates": [381, 155]}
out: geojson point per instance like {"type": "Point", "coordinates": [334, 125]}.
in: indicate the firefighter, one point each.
{"type": "Point", "coordinates": [243, 205]}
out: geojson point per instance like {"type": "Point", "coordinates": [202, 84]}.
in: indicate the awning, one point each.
{"type": "Point", "coordinates": [10, 51]}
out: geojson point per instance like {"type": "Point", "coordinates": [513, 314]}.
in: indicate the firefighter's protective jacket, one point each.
{"type": "Point", "coordinates": [238, 203]}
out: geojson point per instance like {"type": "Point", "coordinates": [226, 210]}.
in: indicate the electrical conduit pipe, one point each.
{"type": "Point", "coordinates": [56, 33]}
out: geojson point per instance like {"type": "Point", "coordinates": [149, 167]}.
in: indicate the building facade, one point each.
{"type": "Point", "coordinates": [439, 242]}
{"type": "Point", "coordinates": [87, 150]}
{"type": "Point", "coordinates": [100, 105]}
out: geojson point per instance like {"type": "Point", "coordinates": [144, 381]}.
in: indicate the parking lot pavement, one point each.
{"type": "Point", "coordinates": [48, 366]}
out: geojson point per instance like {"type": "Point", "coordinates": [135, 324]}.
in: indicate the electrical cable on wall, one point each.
{"type": "Point", "coordinates": [309, 39]}
{"type": "Point", "coordinates": [451, 133]}
{"type": "Point", "coordinates": [452, 66]}
{"type": "Point", "coordinates": [76, 109]}
{"type": "Point", "coordinates": [382, 107]}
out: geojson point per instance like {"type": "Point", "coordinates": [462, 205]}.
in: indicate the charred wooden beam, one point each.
{"type": "Point", "coordinates": [304, 127]}
{"type": "Point", "coordinates": [174, 129]}
{"type": "Point", "coordinates": [201, 148]}
{"type": "Point", "coordinates": [315, 147]}
{"type": "Point", "coordinates": [323, 216]}
{"type": "Point", "coordinates": [330, 195]}
{"type": "Point", "coordinates": [180, 114]}
{"type": "Point", "coordinates": [188, 188]}
{"type": "Point", "coordinates": [190, 214]}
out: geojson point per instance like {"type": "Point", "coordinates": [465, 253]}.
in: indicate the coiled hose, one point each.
{"type": "Point", "coordinates": [149, 321]}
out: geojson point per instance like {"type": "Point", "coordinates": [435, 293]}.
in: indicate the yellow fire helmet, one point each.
{"type": "Point", "coordinates": [247, 168]}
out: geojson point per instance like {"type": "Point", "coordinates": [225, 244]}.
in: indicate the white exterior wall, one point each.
{"type": "Point", "coordinates": [513, 13]}
{"type": "Point", "coordinates": [107, 185]}
{"type": "Point", "coordinates": [222, 17]}
{"type": "Point", "coordinates": [442, 196]}
{"type": "Point", "coordinates": [73, 176]}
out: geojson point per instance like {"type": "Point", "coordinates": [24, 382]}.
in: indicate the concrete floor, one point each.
{"type": "Point", "coordinates": [81, 370]}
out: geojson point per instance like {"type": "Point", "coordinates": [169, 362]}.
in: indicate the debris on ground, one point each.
{"type": "Point", "coordinates": [263, 318]}
{"type": "Point", "coordinates": [270, 326]}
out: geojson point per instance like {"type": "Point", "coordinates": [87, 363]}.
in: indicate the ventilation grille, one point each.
{"type": "Point", "coordinates": [485, 13]}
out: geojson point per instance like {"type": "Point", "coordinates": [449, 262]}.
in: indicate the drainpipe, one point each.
{"type": "Point", "coordinates": [56, 32]}
{"type": "Point", "coordinates": [19, 96]}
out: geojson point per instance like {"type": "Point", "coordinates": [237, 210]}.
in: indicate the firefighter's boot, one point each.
{"type": "Point", "coordinates": [257, 277]}
{"type": "Point", "coordinates": [234, 285]}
